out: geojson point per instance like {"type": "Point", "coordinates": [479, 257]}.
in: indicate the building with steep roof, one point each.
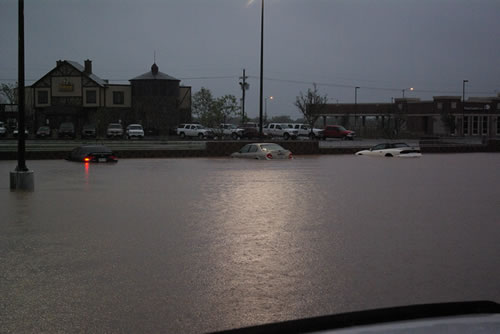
{"type": "Point", "coordinates": [71, 92]}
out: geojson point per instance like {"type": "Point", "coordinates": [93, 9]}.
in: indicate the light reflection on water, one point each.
{"type": "Point", "coordinates": [192, 245]}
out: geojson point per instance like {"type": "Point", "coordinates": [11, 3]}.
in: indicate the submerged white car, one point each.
{"type": "Point", "coordinates": [263, 151]}
{"type": "Point", "coordinates": [401, 150]}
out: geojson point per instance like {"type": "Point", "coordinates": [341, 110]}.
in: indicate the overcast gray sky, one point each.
{"type": "Point", "coordinates": [381, 46]}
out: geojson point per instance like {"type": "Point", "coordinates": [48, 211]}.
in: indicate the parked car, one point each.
{"type": "Point", "coordinates": [66, 129]}
{"type": "Point", "coordinates": [229, 130]}
{"type": "Point", "coordinates": [338, 131]}
{"type": "Point", "coordinates": [134, 131]}
{"type": "Point", "coordinates": [43, 132]}
{"type": "Point", "coordinates": [263, 151]}
{"type": "Point", "coordinates": [305, 130]}
{"type": "Point", "coordinates": [280, 130]}
{"type": "Point", "coordinates": [114, 130]}
{"type": "Point", "coordinates": [3, 130]}
{"type": "Point", "coordinates": [92, 153]}
{"type": "Point", "coordinates": [194, 130]}
{"type": "Point", "coordinates": [89, 131]}
{"type": "Point", "coordinates": [402, 150]}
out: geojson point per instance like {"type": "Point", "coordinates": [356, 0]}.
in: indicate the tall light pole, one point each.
{"type": "Point", "coordinates": [261, 66]}
{"type": "Point", "coordinates": [463, 90]}
{"type": "Point", "coordinates": [463, 105]}
{"type": "Point", "coordinates": [21, 178]}
{"type": "Point", "coordinates": [403, 90]}
{"type": "Point", "coordinates": [355, 105]}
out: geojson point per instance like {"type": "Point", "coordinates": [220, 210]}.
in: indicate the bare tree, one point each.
{"type": "Point", "coordinates": [9, 92]}
{"type": "Point", "coordinates": [311, 105]}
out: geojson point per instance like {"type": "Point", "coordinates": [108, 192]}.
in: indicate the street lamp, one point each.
{"type": "Point", "coordinates": [463, 105]}
{"type": "Point", "coordinates": [265, 104]}
{"type": "Point", "coordinates": [403, 90]}
{"type": "Point", "coordinates": [463, 90]}
{"type": "Point", "coordinates": [356, 104]}
{"type": "Point", "coordinates": [261, 66]}
{"type": "Point", "coordinates": [21, 178]}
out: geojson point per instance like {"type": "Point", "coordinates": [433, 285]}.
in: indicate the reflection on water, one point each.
{"type": "Point", "coordinates": [193, 245]}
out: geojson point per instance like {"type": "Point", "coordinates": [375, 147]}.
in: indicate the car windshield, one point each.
{"type": "Point", "coordinates": [294, 159]}
{"type": "Point", "coordinates": [271, 147]}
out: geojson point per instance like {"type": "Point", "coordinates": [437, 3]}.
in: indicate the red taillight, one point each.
{"type": "Point", "coordinates": [269, 156]}
{"type": "Point", "coordinates": [112, 157]}
{"type": "Point", "coordinates": [290, 156]}
{"type": "Point", "coordinates": [87, 159]}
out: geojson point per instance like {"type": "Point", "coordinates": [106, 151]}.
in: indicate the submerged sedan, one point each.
{"type": "Point", "coordinates": [401, 150]}
{"type": "Point", "coordinates": [92, 153]}
{"type": "Point", "coordinates": [263, 151]}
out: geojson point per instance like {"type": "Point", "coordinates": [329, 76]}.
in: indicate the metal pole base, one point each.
{"type": "Point", "coordinates": [24, 181]}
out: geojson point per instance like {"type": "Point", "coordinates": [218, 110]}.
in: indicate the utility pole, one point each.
{"type": "Point", "coordinates": [244, 86]}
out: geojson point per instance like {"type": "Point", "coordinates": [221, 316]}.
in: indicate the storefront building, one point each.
{"type": "Point", "coordinates": [443, 116]}
{"type": "Point", "coordinates": [73, 93]}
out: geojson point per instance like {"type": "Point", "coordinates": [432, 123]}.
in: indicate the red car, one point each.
{"type": "Point", "coordinates": [338, 131]}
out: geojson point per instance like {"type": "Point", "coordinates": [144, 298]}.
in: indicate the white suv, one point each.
{"type": "Point", "coordinates": [280, 130]}
{"type": "Point", "coordinates": [194, 130]}
{"type": "Point", "coordinates": [134, 130]}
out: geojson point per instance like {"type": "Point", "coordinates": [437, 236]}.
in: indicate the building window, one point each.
{"type": "Point", "coordinates": [118, 98]}
{"type": "Point", "coordinates": [498, 125]}
{"type": "Point", "coordinates": [466, 125]}
{"type": "Point", "coordinates": [484, 125]}
{"type": "Point", "coordinates": [440, 105]}
{"type": "Point", "coordinates": [454, 125]}
{"type": "Point", "coordinates": [43, 97]}
{"type": "Point", "coordinates": [453, 105]}
{"type": "Point", "coordinates": [91, 97]}
{"type": "Point", "coordinates": [475, 125]}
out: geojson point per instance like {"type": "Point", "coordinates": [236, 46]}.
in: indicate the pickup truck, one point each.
{"type": "Point", "coordinates": [280, 130]}
{"type": "Point", "coordinates": [194, 130]}
{"type": "Point", "coordinates": [305, 130]}
{"type": "Point", "coordinates": [229, 130]}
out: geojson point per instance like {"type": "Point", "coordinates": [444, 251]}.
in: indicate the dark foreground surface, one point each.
{"type": "Point", "coordinates": [198, 245]}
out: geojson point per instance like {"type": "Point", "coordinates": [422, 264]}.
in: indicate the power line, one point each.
{"type": "Point", "coordinates": [366, 87]}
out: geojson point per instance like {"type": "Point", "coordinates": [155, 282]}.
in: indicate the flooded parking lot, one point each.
{"type": "Point", "coordinates": [196, 245]}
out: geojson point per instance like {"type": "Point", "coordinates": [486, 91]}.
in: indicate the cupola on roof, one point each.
{"type": "Point", "coordinates": [154, 74]}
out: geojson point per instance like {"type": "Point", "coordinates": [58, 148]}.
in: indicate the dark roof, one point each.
{"type": "Point", "coordinates": [79, 68]}
{"type": "Point", "coordinates": [154, 74]}
{"type": "Point", "coordinates": [92, 76]}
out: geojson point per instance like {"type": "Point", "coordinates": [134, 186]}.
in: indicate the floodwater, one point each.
{"type": "Point", "coordinates": [197, 245]}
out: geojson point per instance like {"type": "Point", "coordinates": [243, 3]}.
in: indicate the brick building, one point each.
{"type": "Point", "coordinates": [443, 116]}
